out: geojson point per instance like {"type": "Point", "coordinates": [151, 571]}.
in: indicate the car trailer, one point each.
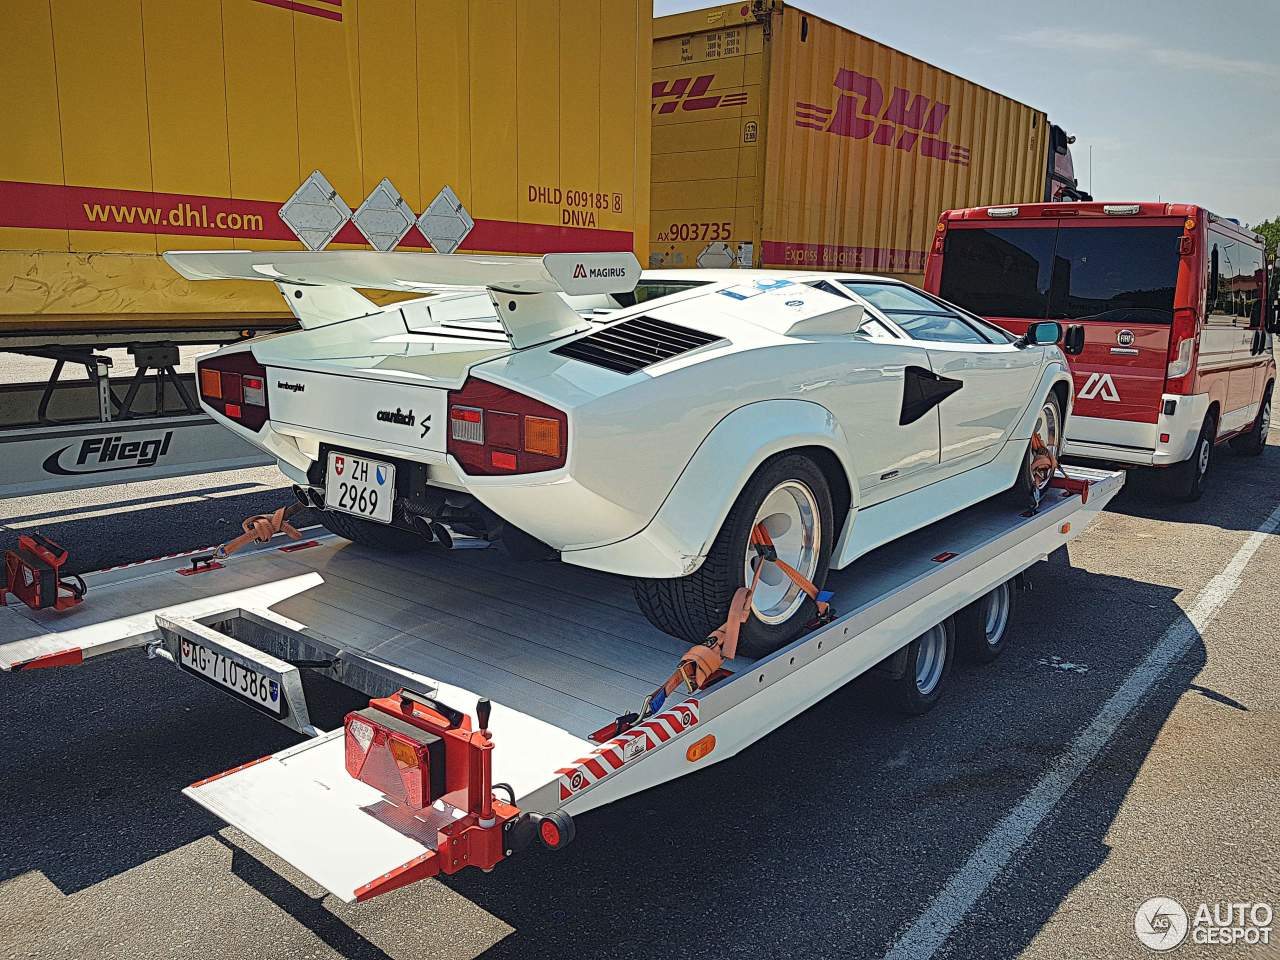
{"type": "Point", "coordinates": [502, 696]}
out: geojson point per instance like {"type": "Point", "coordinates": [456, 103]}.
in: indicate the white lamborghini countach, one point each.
{"type": "Point", "coordinates": [643, 426]}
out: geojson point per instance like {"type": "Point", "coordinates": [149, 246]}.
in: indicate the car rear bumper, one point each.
{"type": "Point", "coordinates": [1140, 444]}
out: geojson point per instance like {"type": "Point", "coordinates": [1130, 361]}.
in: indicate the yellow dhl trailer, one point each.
{"type": "Point", "coordinates": [139, 126]}
{"type": "Point", "coordinates": [783, 140]}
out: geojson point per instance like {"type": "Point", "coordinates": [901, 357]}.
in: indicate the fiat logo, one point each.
{"type": "Point", "coordinates": [1125, 338]}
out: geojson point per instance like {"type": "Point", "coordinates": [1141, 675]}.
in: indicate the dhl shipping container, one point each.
{"type": "Point", "coordinates": [783, 140]}
{"type": "Point", "coordinates": [139, 126]}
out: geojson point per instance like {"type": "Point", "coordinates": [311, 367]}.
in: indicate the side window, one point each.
{"type": "Point", "coordinates": [1253, 284]}
{"type": "Point", "coordinates": [871, 327]}
{"type": "Point", "coordinates": [1221, 310]}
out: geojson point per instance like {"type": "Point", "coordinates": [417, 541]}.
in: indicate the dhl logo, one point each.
{"type": "Point", "coordinates": [690, 93]}
{"type": "Point", "coordinates": [860, 112]}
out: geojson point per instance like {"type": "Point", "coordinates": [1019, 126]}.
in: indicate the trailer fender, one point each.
{"type": "Point", "coordinates": [677, 539]}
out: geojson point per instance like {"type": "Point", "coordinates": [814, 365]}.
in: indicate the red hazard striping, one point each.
{"type": "Point", "coordinates": [62, 658]}
{"type": "Point", "coordinates": [53, 206]}
{"type": "Point", "coordinates": [303, 8]}
{"type": "Point", "coordinates": [227, 773]}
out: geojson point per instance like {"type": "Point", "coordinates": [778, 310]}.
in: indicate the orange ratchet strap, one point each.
{"type": "Point", "coordinates": [702, 662]}
{"type": "Point", "coordinates": [261, 529]}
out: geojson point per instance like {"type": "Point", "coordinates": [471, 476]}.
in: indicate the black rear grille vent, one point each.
{"type": "Point", "coordinates": [635, 344]}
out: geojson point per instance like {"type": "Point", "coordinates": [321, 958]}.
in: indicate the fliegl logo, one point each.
{"type": "Point", "coordinates": [105, 454]}
{"type": "Point", "coordinates": [690, 93]}
{"type": "Point", "coordinates": [904, 121]}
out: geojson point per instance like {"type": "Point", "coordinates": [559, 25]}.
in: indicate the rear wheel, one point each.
{"type": "Point", "coordinates": [1255, 441]}
{"type": "Point", "coordinates": [925, 666]}
{"type": "Point", "coordinates": [1036, 472]}
{"type": "Point", "coordinates": [367, 533]}
{"type": "Point", "coordinates": [982, 628]}
{"type": "Point", "coordinates": [790, 496]}
{"type": "Point", "coordinates": [1186, 480]}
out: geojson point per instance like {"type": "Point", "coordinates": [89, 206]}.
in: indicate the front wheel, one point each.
{"type": "Point", "coordinates": [790, 496]}
{"type": "Point", "coordinates": [1043, 450]}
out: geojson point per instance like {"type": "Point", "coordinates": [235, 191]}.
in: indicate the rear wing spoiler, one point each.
{"type": "Point", "coordinates": [526, 291]}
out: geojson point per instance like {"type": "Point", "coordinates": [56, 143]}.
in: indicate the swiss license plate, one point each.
{"type": "Point", "coordinates": [366, 488]}
{"type": "Point", "coordinates": [232, 675]}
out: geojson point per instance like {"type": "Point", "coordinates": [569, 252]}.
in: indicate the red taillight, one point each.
{"type": "Point", "coordinates": [235, 385]}
{"type": "Point", "coordinates": [404, 762]}
{"type": "Point", "coordinates": [494, 431]}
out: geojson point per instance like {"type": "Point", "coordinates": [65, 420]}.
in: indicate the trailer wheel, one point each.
{"type": "Point", "coordinates": [915, 685]}
{"type": "Point", "coordinates": [1253, 442]}
{"type": "Point", "coordinates": [367, 533]}
{"type": "Point", "coordinates": [1186, 480]}
{"type": "Point", "coordinates": [790, 495]}
{"type": "Point", "coordinates": [982, 628]}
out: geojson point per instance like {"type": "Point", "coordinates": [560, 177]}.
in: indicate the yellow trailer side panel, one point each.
{"type": "Point", "coordinates": [862, 146]}
{"type": "Point", "coordinates": [159, 124]}
{"type": "Point", "coordinates": [707, 101]}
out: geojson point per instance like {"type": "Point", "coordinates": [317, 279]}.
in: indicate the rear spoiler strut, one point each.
{"type": "Point", "coordinates": [526, 291]}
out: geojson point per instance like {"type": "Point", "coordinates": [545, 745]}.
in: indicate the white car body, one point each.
{"type": "Point", "coordinates": [655, 458]}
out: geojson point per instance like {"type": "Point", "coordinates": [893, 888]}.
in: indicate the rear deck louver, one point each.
{"type": "Point", "coordinates": [634, 344]}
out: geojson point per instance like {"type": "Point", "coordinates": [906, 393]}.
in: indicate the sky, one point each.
{"type": "Point", "coordinates": [1179, 99]}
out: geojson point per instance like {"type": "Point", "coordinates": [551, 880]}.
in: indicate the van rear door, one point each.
{"type": "Point", "coordinates": [1115, 279]}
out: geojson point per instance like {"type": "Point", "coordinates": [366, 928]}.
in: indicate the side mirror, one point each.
{"type": "Point", "coordinates": [1073, 340]}
{"type": "Point", "coordinates": [1213, 275]}
{"type": "Point", "coordinates": [1042, 334]}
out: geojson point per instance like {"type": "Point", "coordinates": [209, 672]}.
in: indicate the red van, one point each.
{"type": "Point", "coordinates": [1172, 305]}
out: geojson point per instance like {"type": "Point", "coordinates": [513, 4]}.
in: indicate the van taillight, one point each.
{"type": "Point", "coordinates": [1182, 341]}
{"type": "Point", "coordinates": [495, 431]}
{"type": "Point", "coordinates": [235, 385]}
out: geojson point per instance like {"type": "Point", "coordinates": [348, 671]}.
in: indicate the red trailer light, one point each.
{"type": "Point", "coordinates": [235, 385]}
{"type": "Point", "coordinates": [404, 762]}
{"type": "Point", "coordinates": [495, 430]}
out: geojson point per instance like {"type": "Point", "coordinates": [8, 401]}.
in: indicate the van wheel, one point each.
{"type": "Point", "coordinates": [982, 628]}
{"type": "Point", "coordinates": [791, 497]}
{"type": "Point", "coordinates": [924, 669]}
{"type": "Point", "coordinates": [1033, 481]}
{"type": "Point", "coordinates": [1255, 441]}
{"type": "Point", "coordinates": [367, 533]}
{"type": "Point", "coordinates": [1186, 480]}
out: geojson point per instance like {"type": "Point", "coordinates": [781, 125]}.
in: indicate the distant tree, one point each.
{"type": "Point", "coordinates": [1270, 230]}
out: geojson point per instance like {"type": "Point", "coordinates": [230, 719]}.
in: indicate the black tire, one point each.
{"type": "Point", "coordinates": [982, 628]}
{"type": "Point", "coordinates": [1026, 493]}
{"type": "Point", "coordinates": [691, 607]}
{"type": "Point", "coordinates": [1253, 442]}
{"type": "Point", "coordinates": [1186, 480]}
{"type": "Point", "coordinates": [367, 533]}
{"type": "Point", "coordinates": [900, 686]}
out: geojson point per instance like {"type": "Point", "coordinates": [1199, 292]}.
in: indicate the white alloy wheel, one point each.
{"type": "Point", "coordinates": [790, 517]}
{"type": "Point", "coordinates": [1048, 428]}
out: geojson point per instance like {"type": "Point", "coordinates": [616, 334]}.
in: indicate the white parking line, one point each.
{"type": "Point", "coordinates": [932, 928]}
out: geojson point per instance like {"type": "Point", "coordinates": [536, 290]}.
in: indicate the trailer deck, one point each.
{"type": "Point", "coordinates": [560, 651]}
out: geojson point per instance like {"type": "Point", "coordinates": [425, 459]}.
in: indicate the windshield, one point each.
{"type": "Point", "coordinates": [1119, 273]}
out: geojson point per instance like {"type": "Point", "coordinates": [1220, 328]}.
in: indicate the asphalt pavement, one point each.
{"type": "Point", "coordinates": [1124, 747]}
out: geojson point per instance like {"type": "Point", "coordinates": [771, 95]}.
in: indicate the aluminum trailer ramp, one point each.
{"type": "Point", "coordinates": [560, 651]}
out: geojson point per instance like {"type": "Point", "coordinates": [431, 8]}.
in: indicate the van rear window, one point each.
{"type": "Point", "coordinates": [1118, 274]}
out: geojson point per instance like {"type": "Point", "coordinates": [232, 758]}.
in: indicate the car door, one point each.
{"type": "Point", "coordinates": [892, 453]}
{"type": "Point", "coordinates": [987, 379]}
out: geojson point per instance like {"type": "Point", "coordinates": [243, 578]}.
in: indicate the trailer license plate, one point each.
{"type": "Point", "coordinates": [234, 676]}
{"type": "Point", "coordinates": [366, 488]}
